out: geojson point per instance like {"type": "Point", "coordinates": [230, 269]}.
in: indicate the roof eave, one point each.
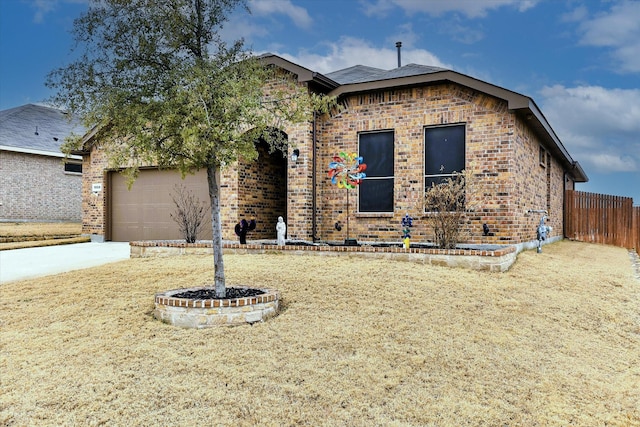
{"type": "Point", "coordinates": [37, 152]}
{"type": "Point", "coordinates": [578, 173]}
{"type": "Point", "coordinates": [87, 142]}
{"type": "Point", "coordinates": [304, 74]}
{"type": "Point", "coordinates": [521, 104]}
{"type": "Point", "coordinates": [534, 117]}
{"type": "Point", "coordinates": [514, 99]}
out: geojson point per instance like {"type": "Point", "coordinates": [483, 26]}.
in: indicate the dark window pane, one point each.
{"type": "Point", "coordinates": [376, 149]}
{"type": "Point", "coordinates": [73, 167]}
{"type": "Point", "coordinates": [376, 195]}
{"type": "Point", "coordinates": [435, 180]}
{"type": "Point", "coordinates": [444, 149]}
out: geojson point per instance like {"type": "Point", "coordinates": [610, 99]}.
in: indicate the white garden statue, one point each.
{"type": "Point", "coordinates": [281, 228]}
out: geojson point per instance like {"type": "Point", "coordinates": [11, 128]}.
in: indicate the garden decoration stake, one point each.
{"type": "Point", "coordinates": [243, 227]}
{"type": "Point", "coordinates": [347, 171]}
{"type": "Point", "coordinates": [407, 223]}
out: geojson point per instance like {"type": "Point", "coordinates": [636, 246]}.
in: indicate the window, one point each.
{"type": "Point", "coordinates": [548, 166]}
{"type": "Point", "coordinates": [376, 190]}
{"type": "Point", "coordinates": [542, 157]}
{"type": "Point", "coordinates": [444, 153]}
{"type": "Point", "coordinates": [72, 167]}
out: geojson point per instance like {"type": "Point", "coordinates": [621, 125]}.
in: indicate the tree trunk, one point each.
{"type": "Point", "coordinates": [213, 178]}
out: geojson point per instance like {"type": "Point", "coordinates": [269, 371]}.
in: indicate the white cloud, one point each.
{"type": "Point", "coordinates": [349, 51]}
{"type": "Point", "coordinates": [604, 162]}
{"type": "Point", "coordinates": [404, 34]}
{"type": "Point", "coordinates": [576, 15]}
{"type": "Point", "coordinates": [470, 8]}
{"type": "Point", "coordinates": [377, 8]}
{"type": "Point", "coordinates": [245, 26]}
{"type": "Point", "coordinates": [618, 29]}
{"type": "Point", "coordinates": [600, 127]}
{"type": "Point", "coordinates": [241, 26]}
{"type": "Point", "coordinates": [297, 14]}
{"type": "Point", "coordinates": [43, 7]}
{"type": "Point", "coordinates": [462, 33]}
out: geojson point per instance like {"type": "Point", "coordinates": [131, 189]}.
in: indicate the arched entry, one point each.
{"type": "Point", "coordinates": [262, 190]}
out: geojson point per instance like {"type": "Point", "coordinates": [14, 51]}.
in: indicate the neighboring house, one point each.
{"type": "Point", "coordinates": [37, 183]}
{"type": "Point", "coordinates": [413, 125]}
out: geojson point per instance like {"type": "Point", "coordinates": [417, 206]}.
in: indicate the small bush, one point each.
{"type": "Point", "coordinates": [190, 213]}
{"type": "Point", "coordinates": [446, 205]}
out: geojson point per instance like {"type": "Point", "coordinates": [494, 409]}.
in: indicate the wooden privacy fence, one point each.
{"type": "Point", "coordinates": [600, 218]}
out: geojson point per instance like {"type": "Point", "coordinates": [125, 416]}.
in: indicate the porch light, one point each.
{"type": "Point", "coordinates": [294, 155]}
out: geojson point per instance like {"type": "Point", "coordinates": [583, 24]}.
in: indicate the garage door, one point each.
{"type": "Point", "coordinates": [143, 213]}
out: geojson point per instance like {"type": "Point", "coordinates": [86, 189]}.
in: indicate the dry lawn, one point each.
{"type": "Point", "coordinates": [39, 229]}
{"type": "Point", "coordinates": [18, 235]}
{"type": "Point", "coordinates": [553, 342]}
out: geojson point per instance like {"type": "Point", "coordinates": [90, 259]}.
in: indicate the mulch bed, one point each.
{"type": "Point", "coordinates": [232, 293]}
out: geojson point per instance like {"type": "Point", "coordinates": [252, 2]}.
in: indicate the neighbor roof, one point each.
{"type": "Point", "coordinates": [36, 129]}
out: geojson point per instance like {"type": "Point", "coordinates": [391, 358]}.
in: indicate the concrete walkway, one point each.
{"type": "Point", "coordinates": [27, 263]}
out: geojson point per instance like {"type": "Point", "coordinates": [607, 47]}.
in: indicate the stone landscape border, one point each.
{"type": "Point", "coordinates": [205, 313]}
{"type": "Point", "coordinates": [498, 260]}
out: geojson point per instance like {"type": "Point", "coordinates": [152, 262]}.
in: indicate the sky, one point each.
{"type": "Point", "coordinates": [579, 60]}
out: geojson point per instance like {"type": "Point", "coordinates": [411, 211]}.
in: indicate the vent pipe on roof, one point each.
{"type": "Point", "coordinates": [399, 46]}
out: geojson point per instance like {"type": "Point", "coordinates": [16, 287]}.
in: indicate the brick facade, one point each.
{"type": "Point", "coordinates": [94, 204]}
{"type": "Point", "coordinates": [35, 187]}
{"type": "Point", "coordinates": [262, 191]}
{"type": "Point", "coordinates": [501, 148]}
{"type": "Point", "coordinates": [501, 151]}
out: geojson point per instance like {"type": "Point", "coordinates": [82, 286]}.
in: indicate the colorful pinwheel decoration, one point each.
{"type": "Point", "coordinates": [347, 171]}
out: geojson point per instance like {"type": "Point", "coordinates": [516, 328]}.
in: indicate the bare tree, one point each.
{"type": "Point", "coordinates": [447, 204]}
{"type": "Point", "coordinates": [190, 213]}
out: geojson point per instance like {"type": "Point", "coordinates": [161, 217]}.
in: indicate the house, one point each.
{"type": "Point", "coordinates": [414, 125]}
{"type": "Point", "coordinates": [37, 183]}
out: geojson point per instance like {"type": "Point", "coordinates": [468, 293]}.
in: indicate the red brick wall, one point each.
{"type": "Point", "coordinates": [262, 191]}
{"type": "Point", "coordinates": [261, 197]}
{"type": "Point", "coordinates": [94, 204]}
{"type": "Point", "coordinates": [500, 150]}
{"type": "Point", "coordinates": [238, 200]}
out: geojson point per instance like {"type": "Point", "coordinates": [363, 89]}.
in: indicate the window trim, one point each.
{"type": "Point", "coordinates": [424, 166]}
{"type": "Point", "coordinates": [424, 148]}
{"type": "Point", "coordinates": [71, 162]}
{"type": "Point", "coordinates": [391, 177]}
{"type": "Point", "coordinates": [542, 156]}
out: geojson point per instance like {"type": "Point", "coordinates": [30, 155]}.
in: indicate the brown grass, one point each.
{"type": "Point", "coordinates": [18, 235]}
{"type": "Point", "coordinates": [37, 229]}
{"type": "Point", "coordinates": [555, 341]}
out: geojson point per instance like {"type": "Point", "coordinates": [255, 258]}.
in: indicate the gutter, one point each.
{"type": "Point", "coordinates": [314, 196]}
{"type": "Point", "coordinates": [38, 152]}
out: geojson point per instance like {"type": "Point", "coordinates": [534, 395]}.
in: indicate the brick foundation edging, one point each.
{"type": "Point", "coordinates": [498, 260]}
{"type": "Point", "coordinates": [198, 314]}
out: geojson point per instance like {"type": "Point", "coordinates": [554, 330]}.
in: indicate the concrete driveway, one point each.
{"type": "Point", "coordinates": [27, 263]}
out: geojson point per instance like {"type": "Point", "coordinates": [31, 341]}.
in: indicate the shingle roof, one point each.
{"type": "Point", "coordinates": [36, 127]}
{"type": "Point", "coordinates": [363, 74]}
{"type": "Point", "coordinates": [353, 74]}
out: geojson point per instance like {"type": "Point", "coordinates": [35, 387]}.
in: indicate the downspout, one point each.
{"type": "Point", "coordinates": [314, 225]}
{"type": "Point", "coordinates": [564, 204]}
